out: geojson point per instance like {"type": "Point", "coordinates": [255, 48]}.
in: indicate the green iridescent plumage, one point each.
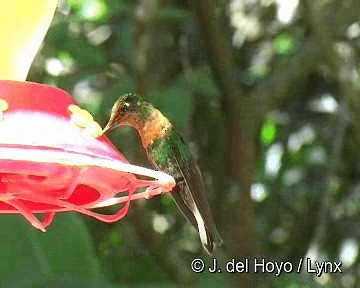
{"type": "Point", "coordinates": [162, 151]}
{"type": "Point", "coordinates": [167, 152]}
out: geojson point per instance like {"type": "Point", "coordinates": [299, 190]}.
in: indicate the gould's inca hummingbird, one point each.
{"type": "Point", "coordinates": [167, 152]}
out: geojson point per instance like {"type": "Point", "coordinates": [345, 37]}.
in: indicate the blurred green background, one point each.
{"type": "Point", "coordinates": [266, 94]}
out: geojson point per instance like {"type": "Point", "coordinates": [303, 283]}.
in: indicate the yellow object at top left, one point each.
{"type": "Point", "coordinates": [23, 25]}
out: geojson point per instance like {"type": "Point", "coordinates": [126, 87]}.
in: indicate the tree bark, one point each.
{"type": "Point", "coordinates": [240, 151]}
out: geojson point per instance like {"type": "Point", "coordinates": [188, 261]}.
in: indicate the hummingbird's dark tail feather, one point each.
{"type": "Point", "coordinates": [209, 245]}
{"type": "Point", "coordinates": [208, 237]}
{"type": "Point", "coordinates": [192, 201]}
{"type": "Point", "coordinates": [213, 238]}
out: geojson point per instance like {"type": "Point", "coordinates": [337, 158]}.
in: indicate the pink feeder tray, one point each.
{"type": "Point", "coordinates": [50, 165]}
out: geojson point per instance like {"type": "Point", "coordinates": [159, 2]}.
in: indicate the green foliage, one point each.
{"type": "Point", "coordinates": [284, 44]}
{"type": "Point", "coordinates": [90, 10]}
{"type": "Point", "coordinates": [201, 83]}
{"type": "Point", "coordinates": [268, 131]}
{"type": "Point", "coordinates": [124, 38]}
{"type": "Point", "coordinates": [171, 15]}
{"type": "Point", "coordinates": [65, 251]}
{"type": "Point", "coordinates": [85, 54]}
{"type": "Point", "coordinates": [175, 102]}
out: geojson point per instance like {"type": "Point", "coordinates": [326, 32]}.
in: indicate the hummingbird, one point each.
{"type": "Point", "coordinates": [168, 153]}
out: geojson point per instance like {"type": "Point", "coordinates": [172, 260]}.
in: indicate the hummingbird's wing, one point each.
{"type": "Point", "coordinates": [180, 201]}
{"type": "Point", "coordinates": [195, 185]}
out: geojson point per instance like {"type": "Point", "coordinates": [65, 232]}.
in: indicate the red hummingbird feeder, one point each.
{"type": "Point", "coordinates": [48, 164]}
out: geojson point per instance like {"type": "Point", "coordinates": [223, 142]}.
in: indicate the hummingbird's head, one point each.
{"type": "Point", "coordinates": [127, 110]}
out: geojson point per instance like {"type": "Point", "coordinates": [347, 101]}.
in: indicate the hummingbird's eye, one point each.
{"type": "Point", "coordinates": [125, 107]}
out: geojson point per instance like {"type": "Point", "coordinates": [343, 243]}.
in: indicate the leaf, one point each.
{"type": "Point", "coordinates": [268, 131]}
{"type": "Point", "coordinates": [173, 15]}
{"type": "Point", "coordinates": [123, 41]}
{"type": "Point", "coordinates": [84, 53]}
{"type": "Point", "coordinates": [175, 102]}
{"type": "Point", "coordinates": [285, 44]}
{"type": "Point", "coordinates": [38, 281]}
{"type": "Point", "coordinates": [201, 82]}
{"type": "Point", "coordinates": [65, 249]}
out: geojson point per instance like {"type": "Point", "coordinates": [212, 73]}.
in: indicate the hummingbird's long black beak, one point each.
{"type": "Point", "coordinates": [112, 123]}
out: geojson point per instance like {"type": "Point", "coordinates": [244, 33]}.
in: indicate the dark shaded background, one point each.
{"type": "Point", "coordinates": [266, 93]}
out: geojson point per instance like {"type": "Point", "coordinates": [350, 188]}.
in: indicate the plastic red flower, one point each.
{"type": "Point", "coordinates": [53, 159]}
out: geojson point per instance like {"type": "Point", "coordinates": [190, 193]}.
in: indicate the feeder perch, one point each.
{"type": "Point", "coordinates": [49, 163]}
